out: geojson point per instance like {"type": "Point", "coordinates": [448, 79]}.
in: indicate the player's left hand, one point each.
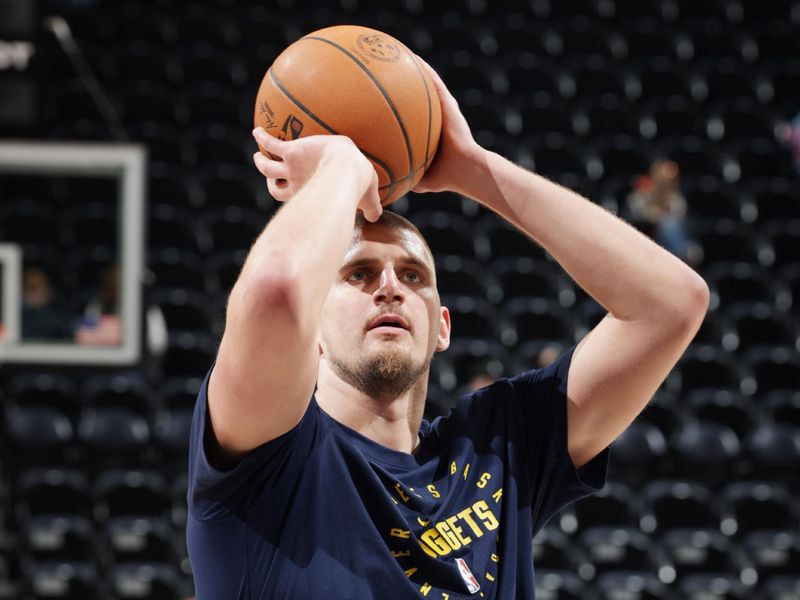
{"type": "Point", "coordinates": [457, 147]}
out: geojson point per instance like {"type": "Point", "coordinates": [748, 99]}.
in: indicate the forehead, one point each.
{"type": "Point", "coordinates": [375, 241]}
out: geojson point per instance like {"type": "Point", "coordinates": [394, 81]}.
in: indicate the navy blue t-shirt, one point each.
{"type": "Point", "coordinates": [323, 512]}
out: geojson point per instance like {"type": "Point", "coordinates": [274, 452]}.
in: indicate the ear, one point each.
{"type": "Point", "coordinates": [443, 341]}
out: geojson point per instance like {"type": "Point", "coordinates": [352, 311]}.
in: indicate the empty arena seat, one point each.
{"type": "Point", "coordinates": [781, 586]}
{"type": "Point", "coordinates": [676, 504]}
{"type": "Point", "coordinates": [502, 240]}
{"type": "Point", "coordinates": [537, 319]}
{"type": "Point", "coordinates": [706, 450]}
{"type": "Point", "coordinates": [51, 492]}
{"type": "Point", "coordinates": [553, 550]}
{"type": "Point", "coordinates": [558, 584]}
{"type": "Point", "coordinates": [715, 585]}
{"type": "Point", "coordinates": [39, 435]}
{"type": "Point", "coordinates": [448, 234]}
{"type": "Point", "coordinates": [739, 282]}
{"type": "Point", "coordinates": [113, 436]}
{"type": "Point", "coordinates": [63, 580]}
{"type": "Point", "coordinates": [176, 227]}
{"type": "Point", "coordinates": [542, 112]}
{"type": "Point", "coordinates": [472, 317]}
{"type": "Point", "coordinates": [138, 539]}
{"type": "Point", "coordinates": [228, 186]}
{"type": "Point", "coordinates": [613, 506]}
{"type": "Point", "coordinates": [171, 268]}
{"type": "Point", "coordinates": [527, 277]}
{"type": "Point", "coordinates": [725, 240]}
{"type": "Point", "coordinates": [152, 580]}
{"type": "Point", "coordinates": [747, 506]}
{"type": "Point", "coordinates": [641, 585]}
{"type": "Point", "coordinates": [188, 354]}
{"type": "Point", "coordinates": [773, 553]}
{"type": "Point", "coordinates": [462, 276]}
{"type": "Point", "coordinates": [783, 406]}
{"type": "Point", "coordinates": [774, 449]}
{"type": "Point", "coordinates": [615, 549]}
{"type": "Point", "coordinates": [639, 451]}
{"type": "Point", "coordinates": [132, 493]}
{"type": "Point", "coordinates": [784, 239]}
{"type": "Point", "coordinates": [776, 368]}
{"type": "Point", "coordinates": [727, 406]}
{"type": "Point", "coordinates": [711, 199]}
{"type": "Point", "coordinates": [760, 324]}
{"type": "Point", "coordinates": [706, 367]}
{"type": "Point", "coordinates": [59, 537]}
{"type": "Point", "coordinates": [683, 552]}
{"type": "Point", "coordinates": [184, 310]}
{"type": "Point", "coordinates": [126, 389]}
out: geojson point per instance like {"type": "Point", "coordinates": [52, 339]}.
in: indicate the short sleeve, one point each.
{"type": "Point", "coordinates": [554, 480]}
{"type": "Point", "coordinates": [215, 493]}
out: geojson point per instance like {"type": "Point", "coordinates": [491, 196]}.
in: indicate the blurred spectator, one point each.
{"type": "Point", "coordinates": [789, 134]}
{"type": "Point", "coordinates": [41, 318]}
{"type": "Point", "coordinates": [101, 324]}
{"type": "Point", "coordinates": [658, 208]}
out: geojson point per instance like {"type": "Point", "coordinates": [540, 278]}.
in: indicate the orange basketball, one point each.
{"type": "Point", "coordinates": [361, 83]}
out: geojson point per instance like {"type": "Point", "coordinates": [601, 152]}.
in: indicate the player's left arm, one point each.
{"type": "Point", "coordinates": [655, 302]}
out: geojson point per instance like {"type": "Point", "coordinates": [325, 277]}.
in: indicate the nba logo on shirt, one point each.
{"type": "Point", "coordinates": [472, 583]}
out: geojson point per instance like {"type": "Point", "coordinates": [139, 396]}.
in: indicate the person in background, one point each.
{"type": "Point", "coordinates": [658, 208]}
{"type": "Point", "coordinates": [41, 317]}
{"type": "Point", "coordinates": [101, 324]}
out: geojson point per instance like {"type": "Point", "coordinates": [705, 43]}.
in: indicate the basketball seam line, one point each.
{"type": "Point", "coordinates": [430, 108]}
{"type": "Point", "coordinates": [322, 123]}
{"type": "Point", "coordinates": [380, 89]}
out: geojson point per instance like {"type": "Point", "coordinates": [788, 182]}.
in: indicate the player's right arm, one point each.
{"type": "Point", "coordinates": [266, 366]}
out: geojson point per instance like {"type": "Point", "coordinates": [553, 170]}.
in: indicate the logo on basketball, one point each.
{"type": "Point", "coordinates": [378, 47]}
{"type": "Point", "coordinates": [292, 128]}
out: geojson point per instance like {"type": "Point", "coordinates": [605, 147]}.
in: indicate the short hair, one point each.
{"type": "Point", "coordinates": [393, 221]}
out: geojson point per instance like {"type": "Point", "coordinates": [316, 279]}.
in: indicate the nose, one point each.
{"type": "Point", "coordinates": [389, 289]}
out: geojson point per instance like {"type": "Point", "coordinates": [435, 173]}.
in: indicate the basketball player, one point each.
{"type": "Point", "coordinates": [313, 475]}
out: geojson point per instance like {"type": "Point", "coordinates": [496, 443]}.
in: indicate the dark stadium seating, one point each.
{"type": "Point", "coordinates": [702, 498]}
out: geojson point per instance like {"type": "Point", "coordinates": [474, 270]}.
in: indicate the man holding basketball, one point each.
{"type": "Point", "coordinates": [312, 474]}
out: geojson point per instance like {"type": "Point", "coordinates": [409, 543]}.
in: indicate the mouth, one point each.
{"type": "Point", "coordinates": [389, 322]}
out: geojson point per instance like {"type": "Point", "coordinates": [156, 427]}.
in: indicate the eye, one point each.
{"type": "Point", "coordinates": [412, 277]}
{"type": "Point", "coordinates": [357, 276]}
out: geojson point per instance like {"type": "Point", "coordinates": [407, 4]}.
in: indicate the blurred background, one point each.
{"type": "Point", "coordinates": [680, 116]}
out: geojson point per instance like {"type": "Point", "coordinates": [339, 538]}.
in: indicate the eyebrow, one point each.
{"type": "Point", "coordinates": [368, 261]}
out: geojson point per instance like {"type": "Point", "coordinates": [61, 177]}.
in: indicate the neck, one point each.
{"type": "Point", "coordinates": [390, 421]}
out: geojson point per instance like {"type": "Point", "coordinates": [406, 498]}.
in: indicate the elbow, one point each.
{"type": "Point", "coordinates": [695, 301]}
{"type": "Point", "coordinates": [268, 289]}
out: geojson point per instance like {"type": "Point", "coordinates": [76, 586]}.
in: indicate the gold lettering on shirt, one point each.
{"type": "Point", "coordinates": [495, 558]}
{"type": "Point", "coordinates": [489, 576]}
{"type": "Point", "coordinates": [466, 515]}
{"type": "Point", "coordinates": [425, 588]}
{"type": "Point", "coordinates": [453, 468]}
{"type": "Point", "coordinates": [452, 522]}
{"type": "Point", "coordinates": [403, 496]}
{"type": "Point", "coordinates": [486, 516]}
{"type": "Point", "coordinates": [400, 533]}
{"type": "Point", "coordinates": [423, 522]}
{"type": "Point", "coordinates": [451, 533]}
{"type": "Point", "coordinates": [485, 477]}
{"type": "Point", "coordinates": [401, 553]}
{"type": "Point", "coordinates": [452, 540]}
{"type": "Point", "coordinates": [466, 470]}
{"type": "Point", "coordinates": [434, 492]}
{"type": "Point", "coordinates": [497, 495]}
{"type": "Point", "coordinates": [445, 596]}
{"type": "Point", "coordinates": [411, 571]}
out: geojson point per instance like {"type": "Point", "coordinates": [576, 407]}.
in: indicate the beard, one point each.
{"type": "Point", "coordinates": [383, 375]}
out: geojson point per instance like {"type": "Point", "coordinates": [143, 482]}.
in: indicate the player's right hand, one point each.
{"type": "Point", "coordinates": [289, 165]}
